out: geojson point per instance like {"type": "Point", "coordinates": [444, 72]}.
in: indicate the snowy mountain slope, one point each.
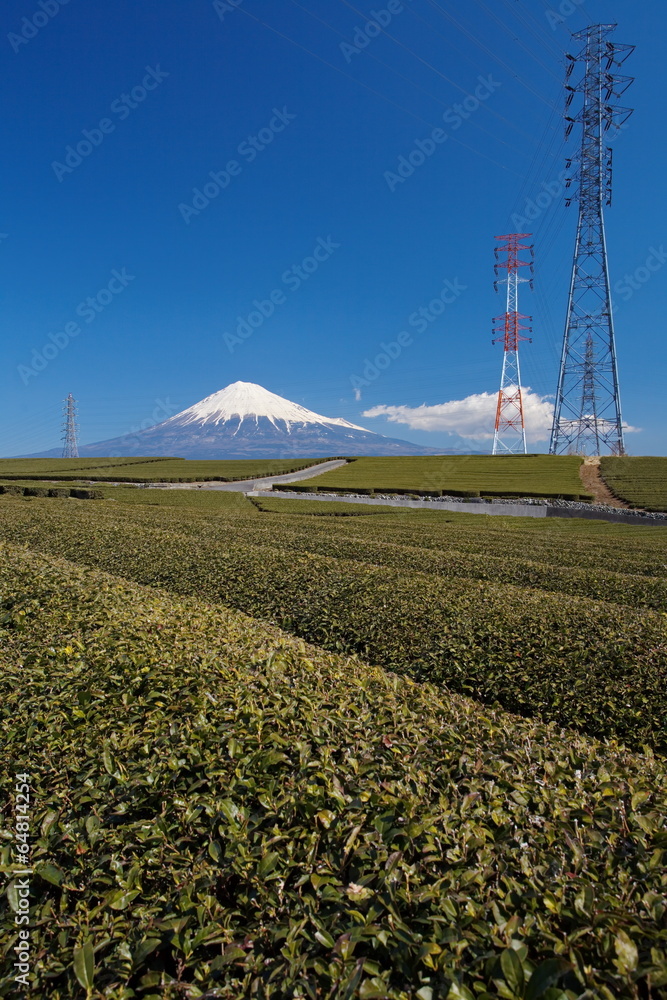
{"type": "Point", "coordinates": [243, 400]}
{"type": "Point", "coordinates": [244, 420]}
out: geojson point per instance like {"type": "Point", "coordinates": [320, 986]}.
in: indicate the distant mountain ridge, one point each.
{"type": "Point", "coordinates": [245, 420]}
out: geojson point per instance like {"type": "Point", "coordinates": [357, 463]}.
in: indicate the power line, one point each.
{"type": "Point", "coordinates": [489, 52]}
{"type": "Point", "coordinates": [525, 16]}
{"type": "Point", "coordinates": [430, 66]}
{"type": "Point", "coordinates": [515, 38]}
{"type": "Point", "coordinates": [376, 93]}
{"type": "Point", "coordinates": [337, 69]}
{"type": "Point", "coordinates": [412, 83]}
{"type": "Point", "coordinates": [464, 55]}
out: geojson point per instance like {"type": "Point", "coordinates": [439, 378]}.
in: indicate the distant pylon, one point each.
{"type": "Point", "coordinates": [510, 432]}
{"type": "Point", "coordinates": [70, 428]}
{"type": "Point", "coordinates": [587, 415]}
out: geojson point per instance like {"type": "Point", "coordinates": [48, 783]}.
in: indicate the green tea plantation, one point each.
{"type": "Point", "coordinates": [280, 753]}
{"type": "Point", "coordinates": [641, 482]}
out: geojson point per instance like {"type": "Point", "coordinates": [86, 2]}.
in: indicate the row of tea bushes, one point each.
{"type": "Point", "coordinates": [596, 665]}
{"type": "Point", "coordinates": [79, 493]}
{"type": "Point", "coordinates": [485, 475]}
{"type": "Point", "coordinates": [612, 563]}
{"type": "Point", "coordinates": [635, 590]}
{"type": "Point", "coordinates": [151, 470]}
{"type": "Point", "coordinates": [641, 482]}
{"type": "Point", "coordinates": [419, 493]}
{"type": "Point", "coordinates": [555, 542]}
{"type": "Point", "coordinates": [315, 508]}
{"type": "Point", "coordinates": [221, 811]}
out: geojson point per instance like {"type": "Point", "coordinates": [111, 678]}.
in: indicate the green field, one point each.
{"type": "Point", "coordinates": [148, 470]}
{"type": "Point", "coordinates": [222, 810]}
{"type": "Point", "coordinates": [641, 482]}
{"type": "Point", "coordinates": [467, 475]}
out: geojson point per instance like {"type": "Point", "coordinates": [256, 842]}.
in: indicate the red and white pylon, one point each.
{"type": "Point", "coordinates": [510, 431]}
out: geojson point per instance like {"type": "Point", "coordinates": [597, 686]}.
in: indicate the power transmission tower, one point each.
{"type": "Point", "coordinates": [510, 432]}
{"type": "Point", "coordinates": [70, 428]}
{"type": "Point", "coordinates": [587, 415]}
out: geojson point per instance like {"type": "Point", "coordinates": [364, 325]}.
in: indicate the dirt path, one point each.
{"type": "Point", "coordinates": [595, 484]}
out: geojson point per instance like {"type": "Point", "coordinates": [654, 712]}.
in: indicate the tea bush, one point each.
{"type": "Point", "coordinates": [461, 475]}
{"type": "Point", "coordinates": [152, 470]}
{"type": "Point", "coordinates": [19, 489]}
{"type": "Point", "coordinates": [222, 811]}
{"type": "Point", "coordinates": [596, 664]}
{"type": "Point", "coordinates": [641, 482]}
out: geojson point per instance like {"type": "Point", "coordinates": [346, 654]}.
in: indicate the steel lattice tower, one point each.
{"type": "Point", "coordinates": [587, 415]}
{"type": "Point", "coordinates": [510, 433]}
{"type": "Point", "coordinates": [70, 428]}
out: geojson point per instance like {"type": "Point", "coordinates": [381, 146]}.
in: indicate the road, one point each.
{"type": "Point", "coordinates": [247, 485]}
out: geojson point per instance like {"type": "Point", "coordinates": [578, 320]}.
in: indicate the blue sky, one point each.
{"type": "Point", "coordinates": [125, 286]}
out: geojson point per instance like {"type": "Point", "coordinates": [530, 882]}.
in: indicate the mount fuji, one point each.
{"type": "Point", "coordinates": [245, 420]}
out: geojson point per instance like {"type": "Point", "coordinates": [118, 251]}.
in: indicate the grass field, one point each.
{"type": "Point", "coordinates": [222, 810]}
{"type": "Point", "coordinates": [149, 470]}
{"type": "Point", "coordinates": [486, 475]}
{"type": "Point", "coordinates": [641, 482]}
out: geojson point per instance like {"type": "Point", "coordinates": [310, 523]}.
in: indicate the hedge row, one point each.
{"type": "Point", "coordinates": [641, 482]}
{"type": "Point", "coordinates": [89, 474]}
{"type": "Point", "coordinates": [219, 811]}
{"type": "Point", "coordinates": [393, 490]}
{"type": "Point", "coordinates": [598, 666]}
{"type": "Point", "coordinates": [545, 475]}
{"type": "Point", "coordinates": [315, 508]}
{"type": "Point", "coordinates": [381, 548]}
{"type": "Point", "coordinates": [56, 491]}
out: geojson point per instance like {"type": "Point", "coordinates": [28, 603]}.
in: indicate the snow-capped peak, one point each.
{"type": "Point", "coordinates": [243, 400]}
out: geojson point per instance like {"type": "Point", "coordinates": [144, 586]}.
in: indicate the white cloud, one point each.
{"type": "Point", "coordinates": [473, 417]}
